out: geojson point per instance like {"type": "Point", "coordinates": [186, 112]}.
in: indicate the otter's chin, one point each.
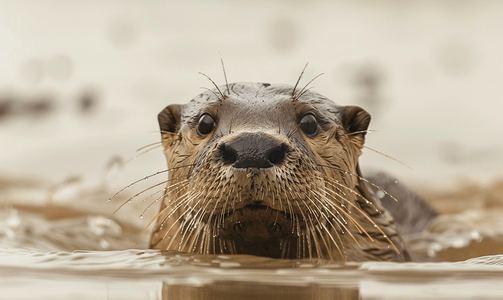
{"type": "Point", "coordinates": [256, 224]}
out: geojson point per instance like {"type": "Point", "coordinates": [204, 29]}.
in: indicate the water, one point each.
{"type": "Point", "coordinates": [70, 248]}
{"type": "Point", "coordinates": [151, 274]}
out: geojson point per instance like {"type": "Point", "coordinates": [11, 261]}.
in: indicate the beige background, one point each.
{"type": "Point", "coordinates": [429, 71]}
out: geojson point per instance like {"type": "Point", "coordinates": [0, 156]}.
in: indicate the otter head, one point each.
{"type": "Point", "coordinates": [263, 170]}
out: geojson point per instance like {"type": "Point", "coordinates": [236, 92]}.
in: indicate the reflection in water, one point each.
{"type": "Point", "coordinates": [249, 291]}
{"type": "Point", "coordinates": [151, 274]}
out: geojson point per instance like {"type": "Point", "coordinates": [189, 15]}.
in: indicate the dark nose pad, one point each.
{"type": "Point", "coordinates": [253, 151]}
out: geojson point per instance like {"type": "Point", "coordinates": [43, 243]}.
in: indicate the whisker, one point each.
{"type": "Point", "coordinates": [362, 131]}
{"type": "Point", "coordinates": [298, 245]}
{"type": "Point", "coordinates": [327, 231]}
{"type": "Point", "coordinates": [342, 225]}
{"type": "Point", "coordinates": [390, 157]}
{"type": "Point", "coordinates": [144, 152]}
{"type": "Point", "coordinates": [146, 178]}
{"type": "Point", "coordinates": [362, 179]}
{"type": "Point", "coordinates": [160, 131]}
{"type": "Point", "coordinates": [201, 228]}
{"type": "Point", "coordinates": [178, 220]}
{"type": "Point", "coordinates": [307, 229]}
{"type": "Point", "coordinates": [178, 202]}
{"type": "Point", "coordinates": [225, 75]}
{"type": "Point", "coordinates": [368, 202]}
{"type": "Point", "coordinates": [216, 231]}
{"type": "Point", "coordinates": [193, 237]}
{"type": "Point", "coordinates": [155, 201]}
{"type": "Point", "coordinates": [146, 146]}
{"type": "Point", "coordinates": [177, 185]}
{"type": "Point", "coordinates": [150, 223]}
{"type": "Point", "coordinates": [360, 228]}
{"type": "Point", "coordinates": [303, 90]}
{"type": "Point", "coordinates": [313, 230]}
{"type": "Point", "coordinates": [366, 216]}
{"type": "Point", "coordinates": [219, 91]}
{"type": "Point", "coordinates": [193, 226]}
{"type": "Point", "coordinates": [213, 92]}
{"type": "Point", "coordinates": [199, 214]}
{"type": "Point", "coordinates": [298, 80]}
{"type": "Point", "coordinates": [180, 199]}
{"type": "Point", "coordinates": [289, 206]}
{"type": "Point", "coordinates": [224, 208]}
{"type": "Point", "coordinates": [204, 240]}
{"type": "Point", "coordinates": [131, 198]}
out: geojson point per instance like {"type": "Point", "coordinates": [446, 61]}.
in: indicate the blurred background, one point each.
{"type": "Point", "coordinates": [81, 82]}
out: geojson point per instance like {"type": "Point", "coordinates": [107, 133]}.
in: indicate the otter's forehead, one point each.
{"type": "Point", "coordinates": [263, 101]}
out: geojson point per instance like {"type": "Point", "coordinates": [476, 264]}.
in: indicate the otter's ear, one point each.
{"type": "Point", "coordinates": [169, 118]}
{"type": "Point", "coordinates": [355, 120]}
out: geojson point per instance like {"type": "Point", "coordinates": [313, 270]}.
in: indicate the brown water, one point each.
{"type": "Point", "coordinates": [67, 247]}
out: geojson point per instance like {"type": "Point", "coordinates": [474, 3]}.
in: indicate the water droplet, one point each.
{"type": "Point", "coordinates": [141, 217]}
{"type": "Point", "coordinates": [129, 201]}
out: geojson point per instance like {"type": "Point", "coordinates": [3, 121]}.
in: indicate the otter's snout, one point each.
{"type": "Point", "coordinates": [253, 150]}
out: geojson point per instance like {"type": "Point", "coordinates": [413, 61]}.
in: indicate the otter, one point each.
{"type": "Point", "coordinates": [270, 170]}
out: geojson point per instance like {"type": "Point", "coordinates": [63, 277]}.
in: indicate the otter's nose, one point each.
{"type": "Point", "coordinates": [253, 151]}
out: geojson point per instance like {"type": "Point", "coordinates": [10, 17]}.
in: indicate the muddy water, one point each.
{"type": "Point", "coordinates": [65, 242]}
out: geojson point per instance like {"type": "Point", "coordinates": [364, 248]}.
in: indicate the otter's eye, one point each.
{"type": "Point", "coordinates": [308, 124]}
{"type": "Point", "coordinates": [205, 125]}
